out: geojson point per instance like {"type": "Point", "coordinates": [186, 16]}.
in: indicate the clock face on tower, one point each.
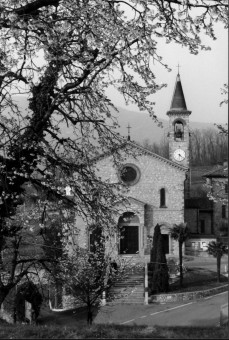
{"type": "Point", "coordinates": [179, 155]}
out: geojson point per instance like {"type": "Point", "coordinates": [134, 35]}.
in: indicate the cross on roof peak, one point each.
{"type": "Point", "coordinates": [128, 128]}
{"type": "Point", "coordinates": [178, 66]}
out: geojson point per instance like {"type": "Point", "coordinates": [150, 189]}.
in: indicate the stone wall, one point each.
{"type": "Point", "coordinates": [179, 297]}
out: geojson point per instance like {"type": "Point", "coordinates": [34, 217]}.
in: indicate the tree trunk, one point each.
{"type": "Point", "coordinates": [89, 315]}
{"type": "Point", "coordinates": [58, 295]}
{"type": "Point", "coordinates": [218, 267]}
{"type": "Point", "coordinates": [4, 291]}
{"type": "Point", "coordinates": [181, 268]}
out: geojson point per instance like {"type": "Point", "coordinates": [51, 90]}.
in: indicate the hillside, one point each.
{"type": "Point", "coordinates": [142, 125]}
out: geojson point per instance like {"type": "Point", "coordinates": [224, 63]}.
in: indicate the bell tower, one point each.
{"type": "Point", "coordinates": [179, 135]}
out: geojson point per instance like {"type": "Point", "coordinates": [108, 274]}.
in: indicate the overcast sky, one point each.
{"type": "Point", "coordinates": [202, 77]}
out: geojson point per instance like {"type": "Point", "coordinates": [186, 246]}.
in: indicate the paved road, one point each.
{"type": "Point", "coordinates": [204, 312]}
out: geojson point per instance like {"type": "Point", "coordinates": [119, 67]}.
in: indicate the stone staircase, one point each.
{"type": "Point", "coordinates": [129, 289]}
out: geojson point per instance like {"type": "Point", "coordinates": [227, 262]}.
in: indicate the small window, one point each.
{"type": "Point", "coordinates": [202, 226]}
{"type": "Point", "coordinates": [162, 198]}
{"type": "Point", "coordinates": [224, 211]}
{"type": "Point", "coordinates": [226, 188]}
{"type": "Point", "coordinates": [178, 131]}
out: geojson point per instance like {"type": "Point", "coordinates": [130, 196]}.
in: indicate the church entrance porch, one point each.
{"type": "Point", "coordinates": [129, 234]}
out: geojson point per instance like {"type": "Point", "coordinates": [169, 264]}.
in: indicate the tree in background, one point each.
{"type": "Point", "coordinates": [21, 255]}
{"type": "Point", "coordinates": [217, 249]}
{"type": "Point", "coordinates": [180, 233]}
{"type": "Point", "coordinates": [63, 55]}
{"type": "Point", "coordinates": [217, 189]}
{"type": "Point", "coordinates": [210, 146]}
{"type": "Point", "coordinates": [53, 249]}
{"type": "Point", "coordinates": [207, 146]}
{"type": "Point", "coordinates": [161, 149]}
{"type": "Point", "coordinates": [87, 275]}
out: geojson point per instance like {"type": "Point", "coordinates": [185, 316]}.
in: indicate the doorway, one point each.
{"type": "Point", "coordinates": [129, 233]}
{"type": "Point", "coordinates": [165, 238]}
{"type": "Point", "coordinates": [129, 241]}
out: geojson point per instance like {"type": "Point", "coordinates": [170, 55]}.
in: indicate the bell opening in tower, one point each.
{"type": "Point", "coordinates": [178, 131]}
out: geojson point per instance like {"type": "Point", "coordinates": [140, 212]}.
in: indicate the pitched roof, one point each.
{"type": "Point", "coordinates": [141, 149]}
{"type": "Point", "coordinates": [178, 100]}
{"type": "Point", "coordinates": [220, 172]}
{"type": "Point", "coordinates": [197, 172]}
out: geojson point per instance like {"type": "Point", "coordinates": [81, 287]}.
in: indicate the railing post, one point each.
{"type": "Point", "coordinates": [146, 301]}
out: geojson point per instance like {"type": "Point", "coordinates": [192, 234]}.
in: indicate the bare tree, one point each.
{"type": "Point", "coordinates": [208, 146]}
{"type": "Point", "coordinates": [63, 55]}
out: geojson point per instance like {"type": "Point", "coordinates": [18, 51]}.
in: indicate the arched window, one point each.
{"type": "Point", "coordinates": [178, 130]}
{"type": "Point", "coordinates": [162, 198]}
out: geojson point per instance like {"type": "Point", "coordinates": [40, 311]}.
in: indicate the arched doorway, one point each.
{"type": "Point", "coordinates": [129, 233]}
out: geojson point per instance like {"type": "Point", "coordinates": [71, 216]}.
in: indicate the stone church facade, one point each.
{"type": "Point", "coordinates": [156, 187]}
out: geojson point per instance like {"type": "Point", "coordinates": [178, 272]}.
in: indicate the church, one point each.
{"type": "Point", "coordinates": [156, 187]}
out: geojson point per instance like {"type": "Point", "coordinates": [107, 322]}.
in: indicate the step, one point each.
{"type": "Point", "coordinates": [128, 290]}
{"type": "Point", "coordinates": [131, 279]}
{"type": "Point", "coordinates": [111, 303]}
{"type": "Point", "coordinates": [132, 284]}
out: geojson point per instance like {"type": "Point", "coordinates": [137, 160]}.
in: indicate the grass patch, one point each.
{"type": "Point", "coordinates": [72, 324]}
{"type": "Point", "coordinates": [198, 279]}
{"type": "Point", "coordinates": [110, 331]}
{"type": "Point", "coordinates": [193, 332]}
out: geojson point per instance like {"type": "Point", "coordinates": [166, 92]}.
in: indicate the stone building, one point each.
{"type": "Point", "coordinates": [156, 186]}
{"type": "Point", "coordinates": [218, 184]}
{"type": "Point", "coordinates": [208, 219]}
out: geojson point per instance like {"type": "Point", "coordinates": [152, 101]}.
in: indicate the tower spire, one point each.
{"type": "Point", "coordinates": [179, 134]}
{"type": "Point", "coordinates": [178, 100]}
